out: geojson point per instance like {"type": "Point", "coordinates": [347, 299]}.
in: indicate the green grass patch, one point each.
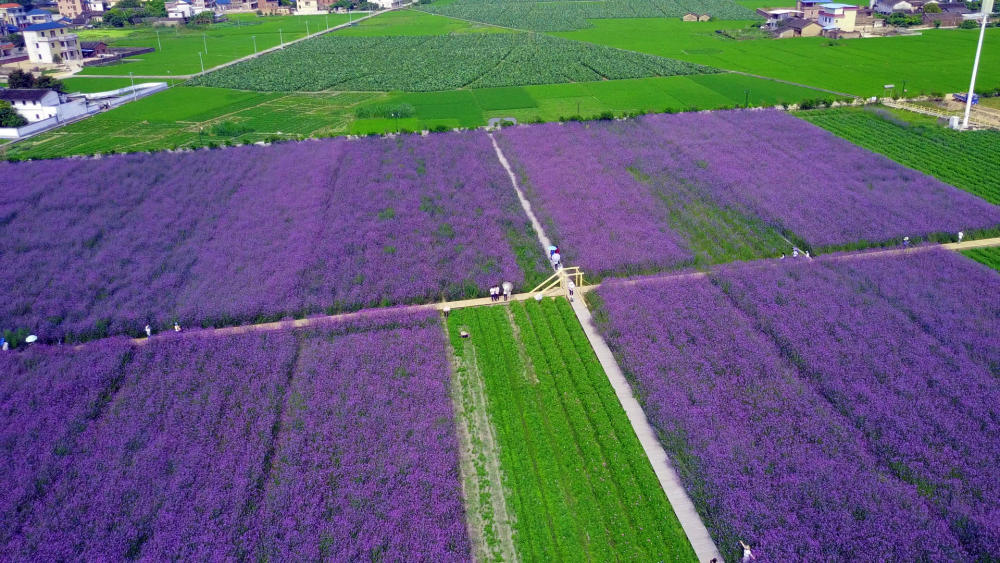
{"type": "Point", "coordinates": [89, 85]}
{"type": "Point", "coordinates": [988, 256]}
{"type": "Point", "coordinates": [858, 66]}
{"type": "Point", "coordinates": [577, 480]}
{"type": "Point", "coordinates": [967, 160]}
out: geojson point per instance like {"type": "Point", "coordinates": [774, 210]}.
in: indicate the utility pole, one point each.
{"type": "Point", "coordinates": [254, 37]}
{"type": "Point", "coordinates": [327, 18]}
{"type": "Point", "coordinates": [158, 45]}
{"type": "Point", "coordinates": [746, 101]}
{"type": "Point", "coordinates": [202, 61]}
{"type": "Point", "coordinates": [307, 28]}
{"type": "Point", "coordinates": [130, 77]}
{"type": "Point", "coordinates": [204, 40]}
{"type": "Point", "coordinates": [987, 9]}
{"type": "Point", "coordinates": [281, 38]}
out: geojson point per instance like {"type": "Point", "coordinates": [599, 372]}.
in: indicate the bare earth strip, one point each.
{"type": "Point", "coordinates": [487, 517]}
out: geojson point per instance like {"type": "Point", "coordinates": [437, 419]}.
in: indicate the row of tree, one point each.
{"type": "Point", "coordinates": [23, 79]}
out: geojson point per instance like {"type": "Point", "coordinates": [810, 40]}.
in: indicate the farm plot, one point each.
{"type": "Point", "coordinates": [988, 256]}
{"type": "Point", "coordinates": [967, 159]}
{"type": "Point", "coordinates": [574, 475]}
{"type": "Point", "coordinates": [246, 447]}
{"type": "Point", "coordinates": [96, 247]}
{"type": "Point", "coordinates": [673, 190]}
{"type": "Point", "coordinates": [425, 63]}
{"type": "Point", "coordinates": [810, 411]}
{"type": "Point", "coordinates": [567, 16]}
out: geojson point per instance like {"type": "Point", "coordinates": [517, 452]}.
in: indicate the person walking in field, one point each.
{"type": "Point", "coordinates": [177, 327]}
{"type": "Point", "coordinates": [747, 553]}
{"type": "Point", "coordinates": [795, 252]}
{"type": "Point", "coordinates": [906, 241]}
{"type": "Point", "coordinates": [149, 331]}
{"type": "Point", "coordinates": [508, 288]}
{"type": "Point", "coordinates": [961, 235]}
{"type": "Point", "coordinates": [556, 260]}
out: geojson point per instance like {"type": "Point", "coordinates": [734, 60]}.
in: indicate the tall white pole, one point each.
{"type": "Point", "coordinates": [254, 37]}
{"type": "Point", "coordinates": [281, 38]}
{"type": "Point", "coordinates": [204, 39]}
{"type": "Point", "coordinates": [987, 9]}
{"type": "Point", "coordinates": [202, 61]}
{"type": "Point", "coordinates": [130, 77]}
{"type": "Point", "coordinates": [307, 28]}
{"type": "Point", "coordinates": [158, 45]}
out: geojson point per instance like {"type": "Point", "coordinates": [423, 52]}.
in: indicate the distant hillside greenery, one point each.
{"type": "Point", "coordinates": [428, 63]}
{"type": "Point", "coordinates": [572, 15]}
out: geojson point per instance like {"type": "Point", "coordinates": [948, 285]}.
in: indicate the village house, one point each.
{"type": "Point", "coordinates": [313, 6]}
{"type": "Point", "coordinates": [38, 16]}
{"type": "Point", "coordinates": [797, 27]}
{"type": "Point", "coordinates": [40, 104]}
{"type": "Point", "coordinates": [809, 8]}
{"type": "Point", "coordinates": [13, 14]}
{"type": "Point", "coordinates": [688, 17]}
{"type": "Point", "coordinates": [773, 17]}
{"type": "Point", "coordinates": [837, 17]}
{"type": "Point", "coordinates": [93, 49]}
{"type": "Point", "coordinates": [50, 44]}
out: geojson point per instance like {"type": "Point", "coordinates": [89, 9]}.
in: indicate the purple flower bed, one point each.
{"type": "Point", "coordinates": [955, 299]}
{"type": "Point", "coordinates": [47, 395]}
{"type": "Point", "coordinates": [96, 247]}
{"type": "Point", "coordinates": [334, 442]}
{"type": "Point", "coordinates": [602, 216]}
{"type": "Point", "coordinates": [928, 409]}
{"type": "Point", "coordinates": [797, 178]}
{"type": "Point", "coordinates": [366, 466]}
{"type": "Point", "coordinates": [173, 461]}
{"type": "Point", "coordinates": [765, 457]}
{"type": "Point", "coordinates": [819, 186]}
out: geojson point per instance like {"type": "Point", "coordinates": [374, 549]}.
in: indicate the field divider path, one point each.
{"type": "Point", "coordinates": [525, 204]}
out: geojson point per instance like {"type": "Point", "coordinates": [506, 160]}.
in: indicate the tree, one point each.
{"type": "Point", "coordinates": [50, 83]}
{"type": "Point", "coordinates": [9, 117]}
{"type": "Point", "coordinates": [20, 79]}
{"type": "Point", "coordinates": [932, 9]}
{"type": "Point", "coordinates": [156, 9]}
{"type": "Point", "coordinates": [17, 39]}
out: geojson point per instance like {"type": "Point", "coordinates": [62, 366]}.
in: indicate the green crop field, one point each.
{"type": "Point", "coordinates": [988, 256]}
{"type": "Point", "coordinates": [938, 60]}
{"type": "Point", "coordinates": [573, 473]}
{"type": "Point", "coordinates": [968, 160]}
{"type": "Point", "coordinates": [413, 22]}
{"type": "Point", "coordinates": [226, 41]}
{"type": "Point", "coordinates": [184, 116]}
{"type": "Point", "coordinates": [568, 15]}
{"type": "Point", "coordinates": [438, 62]}
{"type": "Point", "coordinates": [98, 84]}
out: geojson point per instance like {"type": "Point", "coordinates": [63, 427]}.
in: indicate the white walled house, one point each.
{"type": "Point", "coordinates": [38, 104]}
{"type": "Point", "coordinates": [386, 4]}
{"type": "Point", "coordinates": [50, 43]}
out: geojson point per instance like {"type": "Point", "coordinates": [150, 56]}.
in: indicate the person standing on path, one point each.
{"type": "Point", "coordinates": [571, 287]}
{"type": "Point", "coordinates": [961, 235]}
{"type": "Point", "coordinates": [508, 288]}
{"type": "Point", "coordinates": [556, 260]}
{"type": "Point", "coordinates": [494, 292]}
{"type": "Point", "coordinates": [149, 331]}
{"type": "Point", "coordinates": [552, 250]}
{"type": "Point", "coordinates": [177, 327]}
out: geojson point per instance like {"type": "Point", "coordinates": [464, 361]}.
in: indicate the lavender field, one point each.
{"type": "Point", "coordinates": [96, 247]}
{"type": "Point", "coordinates": [665, 191]}
{"type": "Point", "coordinates": [827, 409]}
{"type": "Point", "coordinates": [333, 442]}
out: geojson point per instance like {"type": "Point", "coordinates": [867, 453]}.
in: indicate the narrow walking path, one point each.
{"type": "Point", "coordinates": [694, 528]}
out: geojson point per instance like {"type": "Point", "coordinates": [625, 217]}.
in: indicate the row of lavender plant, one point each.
{"type": "Point", "coordinates": [47, 396]}
{"type": "Point", "coordinates": [97, 247]}
{"type": "Point", "coordinates": [851, 427]}
{"type": "Point", "coordinates": [333, 442]}
{"type": "Point", "coordinates": [765, 458]}
{"type": "Point", "coordinates": [818, 189]}
{"type": "Point", "coordinates": [366, 466]}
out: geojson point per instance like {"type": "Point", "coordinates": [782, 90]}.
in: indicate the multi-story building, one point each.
{"type": "Point", "coordinates": [13, 14]}
{"type": "Point", "coordinates": [50, 43]}
{"type": "Point", "coordinates": [38, 16]}
{"type": "Point", "coordinates": [839, 17]}
{"type": "Point", "coordinates": [72, 9]}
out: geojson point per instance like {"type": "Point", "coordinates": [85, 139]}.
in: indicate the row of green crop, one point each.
{"type": "Point", "coordinates": [427, 63]}
{"type": "Point", "coordinates": [968, 160]}
{"type": "Point", "coordinates": [578, 482]}
{"type": "Point", "coordinates": [571, 15]}
{"type": "Point", "coordinates": [988, 256]}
